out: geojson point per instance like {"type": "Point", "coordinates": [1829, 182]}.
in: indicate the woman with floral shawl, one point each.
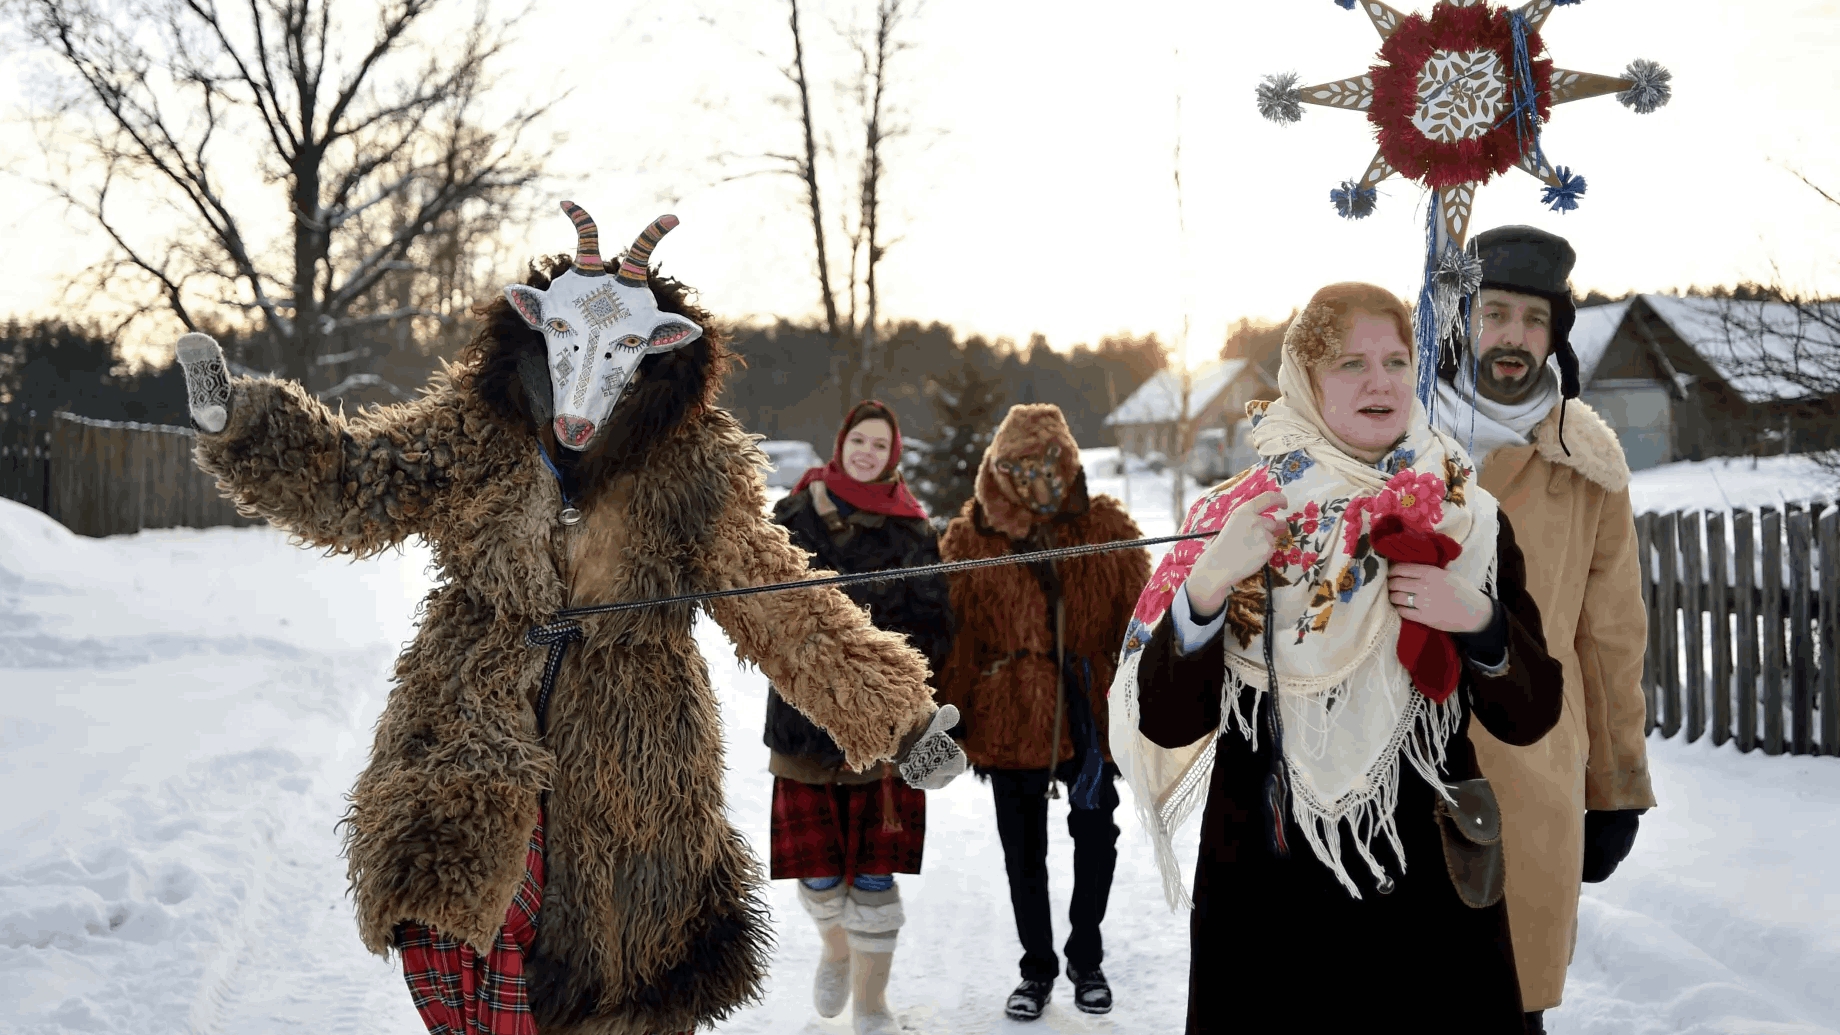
{"type": "Point", "coordinates": [1335, 883]}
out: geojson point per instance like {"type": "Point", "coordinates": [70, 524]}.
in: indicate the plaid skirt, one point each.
{"type": "Point", "coordinates": [459, 992]}
{"type": "Point", "coordinates": [841, 830]}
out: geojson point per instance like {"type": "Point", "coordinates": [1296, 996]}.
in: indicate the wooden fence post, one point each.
{"type": "Point", "coordinates": [1692, 603]}
{"type": "Point", "coordinates": [1667, 597]}
{"type": "Point", "coordinates": [1718, 604]}
{"type": "Point", "coordinates": [1744, 566]}
{"type": "Point", "coordinates": [1830, 630]}
{"type": "Point", "coordinates": [1801, 634]}
{"type": "Point", "coordinates": [1772, 633]}
{"type": "Point", "coordinates": [1651, 655]}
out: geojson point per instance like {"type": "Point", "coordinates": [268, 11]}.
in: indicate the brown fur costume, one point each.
{"type": "Point", "coordinates": [652, 918]}
{"type": "Point", "coordinates": [1001, 673]}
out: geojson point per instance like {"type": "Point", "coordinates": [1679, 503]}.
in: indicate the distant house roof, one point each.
{"type": "Point", "coordinates": [1591, 335]}
{"type": "Point", "coordinates": [1731, 336]}
{"type": "Point", "coordinates": [1157, 400]}
{"type": "Point", "coordinates": [1734, 335]}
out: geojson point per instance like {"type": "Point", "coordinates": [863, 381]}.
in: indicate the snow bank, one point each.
{"type": "Point", "coordinates": [179, 712]}
{"type": "Point", "coordinates": [1731, 483]}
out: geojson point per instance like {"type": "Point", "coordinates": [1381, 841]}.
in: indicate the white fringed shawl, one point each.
{"type": "Point", "coordinates": [1349, 709]}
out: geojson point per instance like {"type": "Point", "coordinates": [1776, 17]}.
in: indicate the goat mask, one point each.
{"type": "Point", "coordinates": [597, 327]}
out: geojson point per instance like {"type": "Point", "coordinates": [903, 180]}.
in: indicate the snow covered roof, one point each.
{"type": "Point", "coordinates": [1733, 335]}
{"type": "Point", "coordinates": [1157, 400]}
{"type": "Point", "coordinates": [1591, 335]}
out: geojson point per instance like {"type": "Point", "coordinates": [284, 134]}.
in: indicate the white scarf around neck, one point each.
{"type": "Point", "coordinates": [1484, 425]}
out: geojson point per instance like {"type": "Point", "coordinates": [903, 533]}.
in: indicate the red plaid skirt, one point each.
{"type": "Point", "coordinates": [841, 830]}
{"type": "Point", "coordinates": [459, 992]}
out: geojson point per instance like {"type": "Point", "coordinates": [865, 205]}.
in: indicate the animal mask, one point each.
{"type": "Point", "coordinates": [1030, 474]}
{"type": "Point", "coordinates": [1036, 481]}
{"type": "Point", "coordinates": [597, 327]}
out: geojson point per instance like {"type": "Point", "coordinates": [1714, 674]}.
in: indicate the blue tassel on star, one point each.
{"type": "Point", "coordinates": [1354, 201]}
{"type": "Point", "coordinates": [1348, 5]}
{"type": "Point", "coordinates": [1564, 197]}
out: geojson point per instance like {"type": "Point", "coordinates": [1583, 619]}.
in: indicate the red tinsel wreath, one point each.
{"type": "Point", "coordinates": [1409, 151]}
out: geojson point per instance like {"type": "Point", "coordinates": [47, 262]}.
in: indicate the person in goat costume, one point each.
{"type": "Point", "coordinates": [562, 862]}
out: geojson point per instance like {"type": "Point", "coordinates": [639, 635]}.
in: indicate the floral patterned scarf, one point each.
{"type": "Point", "coordinates": [1350, 708]}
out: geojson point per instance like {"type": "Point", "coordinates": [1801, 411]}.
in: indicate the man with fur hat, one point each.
{"type": "Point", "coordinates": [1029, 671]}
{"type": "Point", "coordinates": [1570, 801]}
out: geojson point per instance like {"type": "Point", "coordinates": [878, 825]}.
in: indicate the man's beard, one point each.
{"type": "Point", "coordinates": [1508, 389]}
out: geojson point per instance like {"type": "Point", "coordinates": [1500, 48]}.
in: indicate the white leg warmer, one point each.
{"type": "Point", "coordinates": [827, 906]}
{"type": "Point", "coordinates": [873, 919]}
{"type": "Point", "coordinates": [830, 989]}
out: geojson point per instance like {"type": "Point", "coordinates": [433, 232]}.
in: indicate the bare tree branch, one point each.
{"type": "Point", "coordinates": [386, 158]}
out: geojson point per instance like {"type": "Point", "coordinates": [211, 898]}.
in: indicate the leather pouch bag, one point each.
{"type": "Point", "coordinates": [1471, 832]}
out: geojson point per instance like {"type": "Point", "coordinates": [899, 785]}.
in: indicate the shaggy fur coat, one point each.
{"type": "Point", "coordinates": [1001, 672]}
{"type": "Point", "coordinates": [652, 914]}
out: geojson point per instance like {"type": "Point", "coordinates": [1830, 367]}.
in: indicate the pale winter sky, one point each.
{"type": "Point", "coordinates": [1035, 193]}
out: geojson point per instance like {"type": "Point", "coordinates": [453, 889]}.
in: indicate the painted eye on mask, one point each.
{"type": "Point", "coordinates": [631, 341]}
{"type": "Point", "coordinates": [558, 327]}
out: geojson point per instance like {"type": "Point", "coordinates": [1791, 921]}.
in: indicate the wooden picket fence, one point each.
{"type": "Point", "coordinates": [1743, 624]}
{"type": "Point", "coordinates": [114, 477]}
{"type": "Point", "coordinates": [25, 464]}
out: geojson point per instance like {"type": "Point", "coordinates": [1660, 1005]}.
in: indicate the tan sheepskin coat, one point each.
{"type": "Point", "coordinates": [1001, 673]}
{"type": "Point", "coordinates": [1572, 518]}
{"type": "Point", "coordinates": [652, 919]}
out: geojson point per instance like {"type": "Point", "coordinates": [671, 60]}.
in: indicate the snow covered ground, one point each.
{"type": "Point", "coordinates": [180, 712]}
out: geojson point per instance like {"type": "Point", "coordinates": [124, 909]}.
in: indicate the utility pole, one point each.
{"type": "Point", "coordinates": [1124, 457]}
{"type": "Point", "coordinates": [1183, 434]}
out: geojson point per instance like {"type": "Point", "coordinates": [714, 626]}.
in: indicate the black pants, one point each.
{"type": "Point", "coordinates": [1022, 823]}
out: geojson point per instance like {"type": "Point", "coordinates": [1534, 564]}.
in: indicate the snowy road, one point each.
{"type": "Point", "coordinates": [180, 713]}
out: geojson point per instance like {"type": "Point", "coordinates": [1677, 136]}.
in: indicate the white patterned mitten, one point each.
{"type": "Point", "coordinates": [207, 381]}
{"type": "Point", "coordinates": [935, 758]}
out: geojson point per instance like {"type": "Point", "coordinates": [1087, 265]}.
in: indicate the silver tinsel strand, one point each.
{"type": "Point", "coordinates": [1279, 99]}
{"type": "Point", "coordinates": [1651, 89]}
{"type": "Point", "coordinates": [1461, 271]}
{"type": "Point", "coordinates": [1458, 276]}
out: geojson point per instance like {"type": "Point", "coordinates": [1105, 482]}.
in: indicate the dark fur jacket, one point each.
{"type": "Point", "coordinates": [919, 609]}
{"type": "Point", "coordinates": [1001, 671]}
{"type": "Point", "coordinates": [652, 917]}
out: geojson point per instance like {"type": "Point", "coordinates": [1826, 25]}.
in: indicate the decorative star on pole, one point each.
{"type": "Point", "coordinates": [1459, 96]}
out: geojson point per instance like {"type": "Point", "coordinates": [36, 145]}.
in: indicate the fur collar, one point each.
{"type": "Point", "coordinates": [1596, 453]}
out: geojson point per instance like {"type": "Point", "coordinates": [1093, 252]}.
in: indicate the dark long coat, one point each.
{"type": "Point", "coordinates": [1280, 943]}
{"type": "Point", "coordinates": [919, 609]}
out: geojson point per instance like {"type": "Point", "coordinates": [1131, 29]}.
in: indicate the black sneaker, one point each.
{"type": "Point", "coordinates": [1091, 993]}
{"type": "Point", "coordinates": [1028, 1000]}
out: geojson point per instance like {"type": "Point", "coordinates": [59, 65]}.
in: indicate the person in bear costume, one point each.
{"type": "Point", "coordinates": [542, 834]}
{"type": "Point", "coordinates": [1029, 671]}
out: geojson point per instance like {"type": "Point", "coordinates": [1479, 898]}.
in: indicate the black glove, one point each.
{"type": "Point", "coordinates": [1608, 837]}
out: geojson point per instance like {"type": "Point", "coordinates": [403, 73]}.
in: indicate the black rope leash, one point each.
{"type": "Point", "coordinates": [556, 636]}
{"type": "Point", "coordinates": [885, 575]}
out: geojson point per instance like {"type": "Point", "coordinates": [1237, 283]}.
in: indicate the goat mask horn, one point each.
{"type": "Point", "coordinates": [638, 258]}
{"type": "Point", "coordinates": [587, 241]}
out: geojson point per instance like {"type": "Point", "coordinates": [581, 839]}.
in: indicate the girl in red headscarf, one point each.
{"type": "Point", "coordinates": [844, 835]}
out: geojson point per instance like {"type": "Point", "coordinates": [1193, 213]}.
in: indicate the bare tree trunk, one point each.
{"type": "Point", "coordinates": [876, 133]}
{"type": "Point", "coordinates": [808, 171]}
